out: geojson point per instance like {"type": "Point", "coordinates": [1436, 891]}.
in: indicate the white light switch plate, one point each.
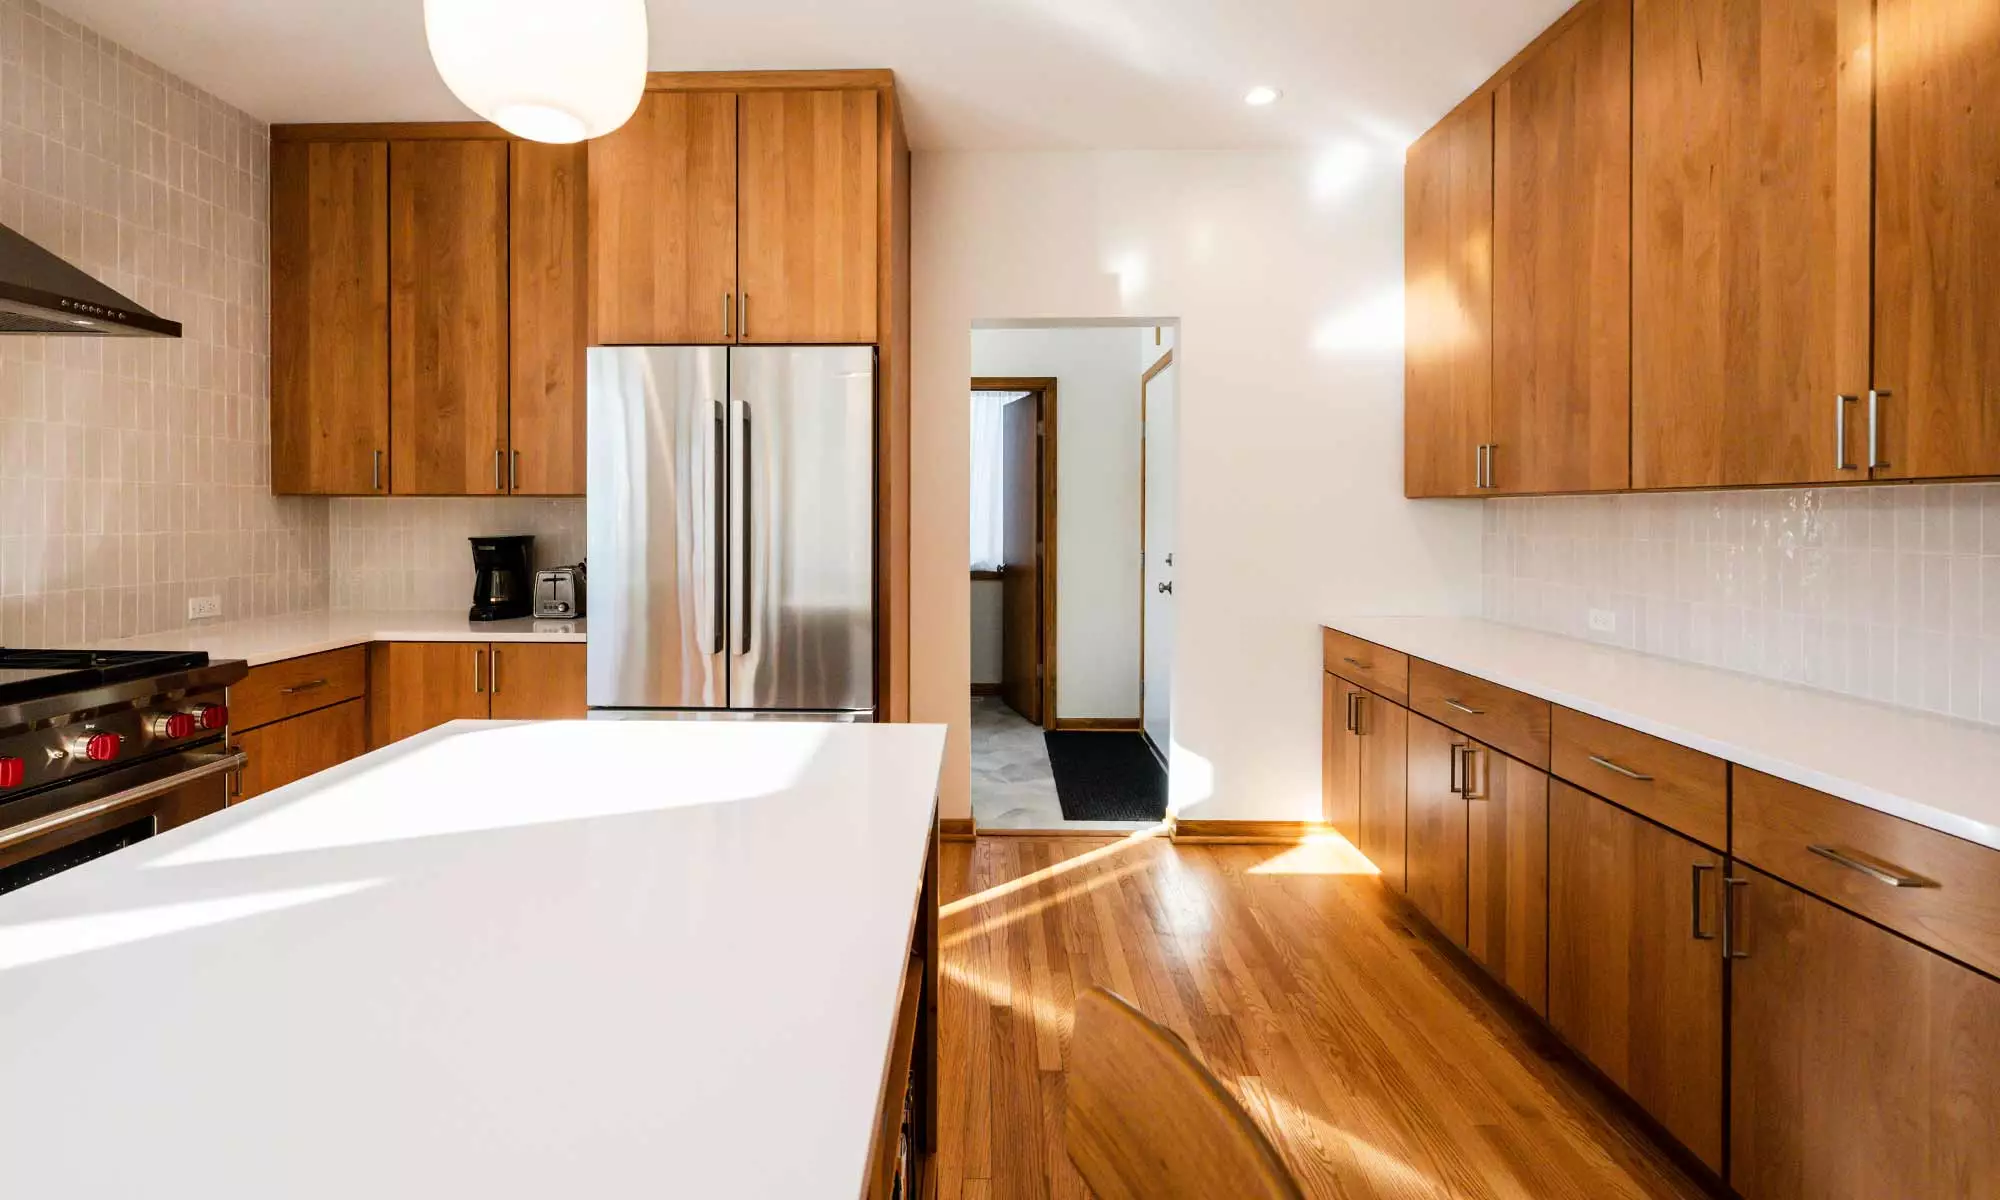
{"type": "Point", "coordinates": [1603, 620]}
{"type": "Point", "coordinates": [204, 607]}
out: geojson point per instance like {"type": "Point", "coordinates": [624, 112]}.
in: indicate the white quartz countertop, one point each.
{"type": "Point", "coordinates": [1932, 770]}
{"type": "Point", "coordinates": [495, 960]}
{"type": "Point", "coordinates": [273, 639]}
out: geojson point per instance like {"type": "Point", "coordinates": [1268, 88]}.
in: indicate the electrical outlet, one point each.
{"type": "Point", "coordinates": [201, 608]}
{"type": "Point", "coordinates": [1603, 620]}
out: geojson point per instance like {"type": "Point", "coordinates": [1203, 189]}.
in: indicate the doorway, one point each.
{"type": "Point", "coordinates": [1026, 565]}
{"type": "Point", "coordinates": [1159, 434]}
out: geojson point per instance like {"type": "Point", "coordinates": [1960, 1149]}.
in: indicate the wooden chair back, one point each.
{"type": "Point", "coordinates": [1148, 1122]}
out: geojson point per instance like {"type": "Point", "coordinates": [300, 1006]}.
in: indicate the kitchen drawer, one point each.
{"type": "Point", "coordinates": [1381, 670]}
{"type": "Point", "coordinates": [1952, 905]}
{"type": "Point", "coordinates": [278, 690]}
{"type": "Point", "coordinates": [285, 751]}
{"type": "Point", "coordinates": [1509, 721]}
{"type": "Point", "coordinates": [1683, 789]}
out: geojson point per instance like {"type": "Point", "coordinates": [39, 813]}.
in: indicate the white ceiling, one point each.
{"type": "Point", "coordinates": [976, 74]}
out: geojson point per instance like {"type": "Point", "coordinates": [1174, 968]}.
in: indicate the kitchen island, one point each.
{"type": "Point", "coordinates": [495, 960]}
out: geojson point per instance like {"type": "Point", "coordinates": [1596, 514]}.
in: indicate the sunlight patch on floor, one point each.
{"type": "Point", "coordinates": [1001, 890]}
{"type": "Point", "coordinates": [1318, 854]}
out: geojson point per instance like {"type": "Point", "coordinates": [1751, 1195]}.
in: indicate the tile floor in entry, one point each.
{"type": "Point", "coordinates": [1012, 784]}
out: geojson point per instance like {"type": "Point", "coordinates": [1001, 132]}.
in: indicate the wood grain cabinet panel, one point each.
{"type": "Point", "coordinates": [414, 686]}
{"type": "Point", "coordinates": [1937, 237]}
{"type": "Point", "coordinates": [1562, 229]}
{"type": "Point", "coordinates": [547, 215]}
{"type": "Point", "coordinates": [1751, 256]}
{"type": "Point", "coordinates": [1448, 266]}
{"type": "Point", "coordinates": [1384, 815]}
{"type": "Point", "coordinates": [1381, 670]}
{"type": "Point", "coordinates": [1340, 757]}
{"type": "Point", "coordinates": [537, 681]}
{"type": "Point", "coordinates": [291, 686]}
{"type": "Point", "coordinates": [448, 317]}
{"type": "Point", "coordinates": [329, 318]}
{"type": "Point", "coordinates": [1513, 722]}
{"type": "Point", "coordinates": [663, 223]}
{"type": "Point", "coordinates": [1683, 789]}
{"type": "Point", "coordinates": [810, 217]}
{"type": "Point", "coordinates": [1437, 831]}
{"type": "Point", "coordinates": [1861, 1065]}
{"type": "Point", "coordinates": [1635, 962]}
{"type": "Point", "coordinates": [290, 750]}
{"type": "Point", "coordinates": [1507, 871]}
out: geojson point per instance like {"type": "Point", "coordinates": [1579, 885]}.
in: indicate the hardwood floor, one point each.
{"type": "Point", "coordinates": [1373, 1062]}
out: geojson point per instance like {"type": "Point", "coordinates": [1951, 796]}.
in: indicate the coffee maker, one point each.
{"type": "Point", "coordinates": [503, 585]}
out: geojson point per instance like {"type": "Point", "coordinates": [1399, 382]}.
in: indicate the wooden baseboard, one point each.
{"type": "Point", "coordinates": [955, 829]}
{"type": "Point", "coordinates": [1067, 835]}
{"type": "Point", "coordinates": [1097, 724]}
{"type": "Point", "coordinates": [985, 689]}
{"type": "Point", "coordinates": [1246, 833]}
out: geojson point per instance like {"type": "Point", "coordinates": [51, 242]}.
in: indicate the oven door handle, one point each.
{"type": "Point", "coordinates": [137, 794]}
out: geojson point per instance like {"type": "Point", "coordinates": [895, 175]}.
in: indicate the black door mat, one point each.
{"type": "Point", "coordinates": [1107, 777]}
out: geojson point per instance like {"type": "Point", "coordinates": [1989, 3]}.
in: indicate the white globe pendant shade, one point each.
{"type": "Point", "coordinates": [545, 70]}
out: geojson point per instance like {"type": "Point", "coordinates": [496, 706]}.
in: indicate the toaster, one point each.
{"type": "Point", "coordinates": [559, 593]}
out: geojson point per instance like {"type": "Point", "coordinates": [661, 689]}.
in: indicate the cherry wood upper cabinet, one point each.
{"type": "Point", "coordinates": [1861, 1064]}
{"type": "Point", "coordinates": [663, 223]}
{"type": "Point", "coordinates": [1635, 961]}
{"type": "Point", "coordinates": [329, 318]}
{"type": "Point", "coordinates": [1751, 257]}
{"type": "Point", "coordinates": [448, 317]}
{"type": "Point", "coordinates": [811, 220]}
{"type": "Point", "coordinates": [1448, 268]}
{"type": "Point", "coordinates": [1562, 219]}
{"type": "Point", "coordinates": [1937, 238]}
{"type": "Point", "coordinates": [547, 318]}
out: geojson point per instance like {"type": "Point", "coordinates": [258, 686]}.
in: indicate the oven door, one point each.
{"type": "Point", "coordinates": [70, 825]}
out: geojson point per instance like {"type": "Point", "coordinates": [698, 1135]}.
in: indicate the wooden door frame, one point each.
{"type": "Point", "coordinates": [1043, 389]}
{"type": "Point", "coordinates": [1145, 381]}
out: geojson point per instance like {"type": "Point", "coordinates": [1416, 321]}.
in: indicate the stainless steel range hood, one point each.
{"type": "Point", "coordinates": [40, 293]}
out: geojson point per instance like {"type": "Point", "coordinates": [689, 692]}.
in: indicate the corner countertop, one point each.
{"type": "Point", "coordinates": [569, 958]}
{"type": "Point", "coordinates": [274, 639]}
{"type": "Point", "coordinates": [1935, 771]}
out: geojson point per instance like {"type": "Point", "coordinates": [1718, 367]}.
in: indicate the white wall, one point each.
{"type": "Point", "coordinates": [1097, 504]}
{"type": "Point", "coordinates": [1285, 272]}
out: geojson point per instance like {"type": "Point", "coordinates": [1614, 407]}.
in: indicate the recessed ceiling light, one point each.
{"type": "Point", "coordinates": [1259, 96]}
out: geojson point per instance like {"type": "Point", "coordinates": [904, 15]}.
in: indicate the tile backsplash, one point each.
{"type": "Point", "coordinates": [1887, 592]}
{"type": "Point", "coordinates": [407, 553]}
{"type": "Point", "coordinates": [134, 473]}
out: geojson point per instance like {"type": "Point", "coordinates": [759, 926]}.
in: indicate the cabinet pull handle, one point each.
{"type": "Point", "coordinates": [743, 316]}
{"type": "Point", "coordinates": [1456, 784]}
{"type": "Point", "coordinates": [1351, 661]}
{"type": "Point", "coordinates": [375, 471]}
{"type": "Point", "coordinates": [1468, 773]}
{"type": "Point", "coordinates": [479, 671]}
{"type": "Point", "coordinates": [514, 472]}
{"type": "Point", "coordinates": [1627, 772]}
{"type": "Point", "coordinates": [1873, 868]}
{"type": "Point", "coordinates": [1840, 404]}
{"type": "Point", "coordinates": [1351, 698]}
{"type": "Point", "coordinates": [1875, 398]}
{"type": "Point", "coordinates": [728, 303]}
{"type": "Point", "coordinates": [1694, 901]}
{"type": "Point", "coordinates": [1732, 941]}
{"type": "Point", "coordinates": [307, 686]}
{"type": "Point", "coordinates": [1479, 466]}
{"type": "Point", "coordinates": [493, 676]}
{"type": "Point", "coordinates": [499, 470]}
{"type": "Point", "coordinates": [1464, 708]}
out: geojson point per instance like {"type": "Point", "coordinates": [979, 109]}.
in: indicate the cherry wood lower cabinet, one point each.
{"type": "Point", "coordinates": [536, 681]}
{"type": "Point", "coordinates": [1507, 871]}
{"type": "Point", "coordinates": [1340, 757]}
{"type": "Point", "coordinates": [1437, 826]}
{"type": "Point", "coordinates": [1384, 741]}
{"type": "Point", "coordinates": [414, 686]}
{"type": "Point", "coordinates": [286, 751]}
{"type": "Point", "coordinates": [1862, 1064]}
{"type": "Point", "coordinates": [1635, 961]}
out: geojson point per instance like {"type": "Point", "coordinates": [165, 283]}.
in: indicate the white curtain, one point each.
{"type": "Point", "coordinates": [988, 488]}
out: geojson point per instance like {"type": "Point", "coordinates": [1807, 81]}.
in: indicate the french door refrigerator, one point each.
{"type": "Point", "coordinates": [732, 532]}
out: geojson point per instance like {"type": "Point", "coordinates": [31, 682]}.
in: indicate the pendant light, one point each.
{"type": "Point", "coordinates": [545, 70]}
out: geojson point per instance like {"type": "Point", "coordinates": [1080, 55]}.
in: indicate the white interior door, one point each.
{"type": "Point", "coordinates": [1162, 486]}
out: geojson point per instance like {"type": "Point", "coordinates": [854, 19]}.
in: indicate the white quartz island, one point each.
{"type": "Point", "coordinates": [496, 960]}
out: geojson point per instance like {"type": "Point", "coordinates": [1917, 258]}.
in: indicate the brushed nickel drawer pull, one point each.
{"type": "Point", "coordinates": [1700, 870]}
{"type": "Point", "coordinates": [1456, 784]}
{"type": "Point", "coordinates": [1732, 942]}
{"type": "Point", "coordinates": [1840, 404]}
{"type": "Point", "coordinates": [1873, 868]}
{"type": "Point", "coordinates": [1351, 661]}
{"type": "Point", "coordinates": [307, 686]}
{"type": "Point", "coordinates": [1471, 761]}
{"type": "Point", "coordinates": [1627, 772]}
{"type": "Point", "coordinates": [1351, 698]}
{"type": "Point", "coordinates": [493, 676]}
{"type": "Point", "coordinates": [1467, 709]}
{"type": "Point", "coordinates": [479, 672]}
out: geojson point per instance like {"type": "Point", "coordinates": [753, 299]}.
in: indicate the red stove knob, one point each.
{"type": "Point", "coordinates": [174, 725]}
{"type": "Point", "coordinates": [212, 716]}
{"type": "Point", "coordinates": [96, 747]}
{"type": "Point", "coordinates": [12, 772]}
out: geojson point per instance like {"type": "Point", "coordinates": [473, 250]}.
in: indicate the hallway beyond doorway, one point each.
{"type": "Point", "coordinates": [1013, 785]}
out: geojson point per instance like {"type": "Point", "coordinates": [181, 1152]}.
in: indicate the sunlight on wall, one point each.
{"type": "Point", "coordinates": [1190, 779]}
{"type": "Point", "coordinates": [1372, 327]}
{"type": "Point", "coordinates": [1132, 269]}
{"type": "Point", "coordinates": [1338, 171]}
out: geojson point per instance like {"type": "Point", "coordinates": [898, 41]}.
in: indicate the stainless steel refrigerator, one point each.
{"type": "Point", "coordinates": [732, 532]}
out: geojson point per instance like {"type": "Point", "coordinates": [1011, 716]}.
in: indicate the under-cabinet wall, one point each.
{"type": "Point", "coordinates": [411, 553]}
{"type": "Point", "coordinates": [1889, 593]}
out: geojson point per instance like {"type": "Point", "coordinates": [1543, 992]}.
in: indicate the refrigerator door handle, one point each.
{"type": "Point", "coordinates": [745, 536]}
{"type": "Point", "coordinates": [719, 501]}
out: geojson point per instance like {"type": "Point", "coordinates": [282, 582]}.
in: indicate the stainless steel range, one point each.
{"type": "Point", "coordinates": [102, 749]}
